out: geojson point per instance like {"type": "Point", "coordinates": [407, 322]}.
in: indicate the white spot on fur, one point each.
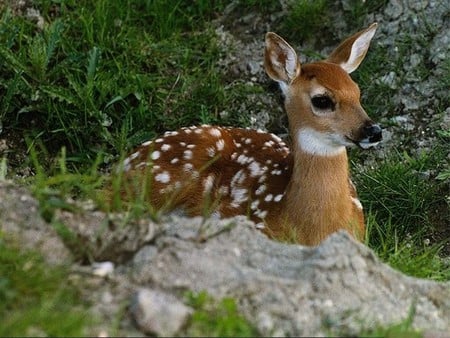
{"type": "Point", "coordinates": [223, 190]}
{"type": "Point", "coordinates": [220, 144]}
{"type": "Point", "coordinates": [170, 133]}
{"type": "Point", "coordinates": [174, 160]}
{"type": "Point", "coordinates": [146, 144]}
{"type": "Point", "coordinates": [260, 189]}
{"type": "Point", "coordinates": [215, 132]}
{"type": "Point", "coordinates": [134, 155]}
{"type": "Point", "coordinates": [165, 147]}
{"type": "Point", "coordinates": [261, 213]}
{"type": "Point", "coordinates": [125, 167]}
{"type": "Point", "coordinates": [163, 177]}
{"type": "Point", "coordinates": [208, 183]}
{"type": "Point", "coordinates": [141, 165]}
{"type": "Point", "coordinates": [260, 226]}
{"type": "Point", "coordinates": [155, 155]}
{"type": "Point", "coordinates": [255, 169]}
{"type": "Point", "coordinates": [239, 195]}
{"type": "Point", "coordinates": [268, 198]}
{"type": "Point", "coordinates": [242, 159]}
{"type": "Point", "coordinates": [190, 146]}
{"type": "Point", "coordinates": [254, 205]}
{"type": "Point", "coordinates": [159, 140]}
{"type": "Point", "coordinates": [187, 155]}
{"type": "Point", "coordinates": [238, 178]}
{"type": "Point", "coordinates": [278, 198]}
{"type": "Point", "coordinates": [276, 138]}
{"type": "Point", "coordinates": [211, 151]}
{"type": "Point", "coordinates": [188, 167]}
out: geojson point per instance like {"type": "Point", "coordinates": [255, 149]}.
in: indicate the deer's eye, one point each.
{"type": "Point", "coordinates": [322, 102]}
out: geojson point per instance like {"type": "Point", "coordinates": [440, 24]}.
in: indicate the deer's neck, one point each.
{"type": "Point", "coordinates": [318, 194]}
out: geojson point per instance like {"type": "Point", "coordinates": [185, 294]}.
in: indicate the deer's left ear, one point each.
{"type": "Point", "coordinates": [350, 53]}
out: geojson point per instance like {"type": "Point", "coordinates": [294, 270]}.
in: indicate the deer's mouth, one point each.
{"type": "Point", "coordinates": [370, 136]}
{"type": "Point", "coordinates": [365, 143]}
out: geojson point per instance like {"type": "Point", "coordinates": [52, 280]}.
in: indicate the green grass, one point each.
{"type": "Point", "coordinates": [306, 18]}
{"type": "Point", "coordinates": [216, 318]}
{"type": "Point", "coordinates": [104, 76]}
{"type": "Point", "coordinates": [35, 299]}
{"type": "Point", "coordinates": [402, 329]}
{"type": "Point", "coordinates": [404, 207]}
{"type": "Point", "coordinates": [355, 11]}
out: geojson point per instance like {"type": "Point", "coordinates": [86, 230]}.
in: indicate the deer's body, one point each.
{"type": "Point", "coordinates": [234, 171]}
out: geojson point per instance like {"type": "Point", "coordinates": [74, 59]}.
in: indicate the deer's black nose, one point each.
{"type": "Point", "coordinates": [373, 132]}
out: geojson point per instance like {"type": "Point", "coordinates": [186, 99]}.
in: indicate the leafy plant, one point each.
{"type": "Point", "coordinates": [36, 299]}
{"type": "Point", "coordinates": [305, 18]}
{"type": "Point", "coordinates": [216, 319]}
{"type": "Point", "coordinates": [105, 76]}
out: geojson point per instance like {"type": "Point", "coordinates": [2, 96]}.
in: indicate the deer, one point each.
{"type": "Point", "coordinates": [304, 189]}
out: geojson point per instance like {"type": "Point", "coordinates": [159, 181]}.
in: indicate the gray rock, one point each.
{"type": "Point", "coordinates": [394, 9]}
{"type": "Point", "coordinates": [389, 80]}
{"type": "Point", "coordinates": [292, 290]}
{"type": "Point", "coordinates": [159, 313]}
{"type": "Point", "coordinates": [20, 220]}
{"type": "Point", "coordinates": [104, 237]}
{"type": "Point", "coordinates": [339, 286]}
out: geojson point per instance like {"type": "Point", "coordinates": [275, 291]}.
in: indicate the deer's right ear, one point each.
{"type": "Point", "coordinates": [280, 60]}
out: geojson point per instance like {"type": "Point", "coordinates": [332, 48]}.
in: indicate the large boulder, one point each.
{"type": "Point", "coordinates": [282, 289]}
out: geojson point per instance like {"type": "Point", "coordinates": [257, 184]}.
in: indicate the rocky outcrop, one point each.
{"type": "Point", "coordinates": [282, 289]}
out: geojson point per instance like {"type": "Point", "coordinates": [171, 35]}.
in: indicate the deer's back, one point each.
{"type": "Point", "coordinates": [207, 169]}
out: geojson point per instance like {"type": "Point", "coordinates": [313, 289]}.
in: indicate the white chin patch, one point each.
{"type": "Point", "coordinates": [366, 145]}
{"type": "Point", "coordinates": [316, 143]}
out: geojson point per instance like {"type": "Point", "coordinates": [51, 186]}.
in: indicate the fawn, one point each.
{"type": "Point", "coordinates": [234, 171]}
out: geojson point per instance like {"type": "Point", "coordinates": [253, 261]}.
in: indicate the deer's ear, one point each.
{"type": "Point", "coordinates": [350, 53]}
{"type": "Point", "coordinates": [280, 60]}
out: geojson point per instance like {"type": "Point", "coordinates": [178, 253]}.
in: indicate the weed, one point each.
{"type": "Point", "coordinates": [399, 192]}
{"type": "Point", "coordinates": [305, 19]}
{"type": "Point", "coordinates": [35, 298]}
{"type": "Point", "coordinates": [402, 329]}
{"type": "Point", "coordinates": [216, 319]}
{"type": "Point", "coordinates": [356, 11]}
{"type": "Point", "coordinates": [264, 6]}
{"type": "Point", "coordinates": [412, 255]}
{"type": "Point", "coordinates": [402, 204]}
{"type": "Point", "coordinates": [105, 76]}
